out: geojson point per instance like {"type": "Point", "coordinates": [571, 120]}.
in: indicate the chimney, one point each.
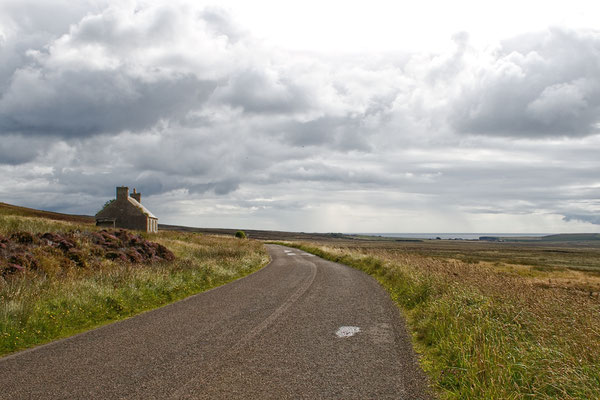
{"type": "Point", "coordinates": [122, 192]}
{"type": "Point", "coordinates": [137, 196]}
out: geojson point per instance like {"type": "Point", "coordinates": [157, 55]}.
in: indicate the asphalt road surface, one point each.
{"type": "Point", "coordinates": [302, 327]}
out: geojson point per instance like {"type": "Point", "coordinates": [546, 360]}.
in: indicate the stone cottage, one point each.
{"type": "Point", "coordinates": [127, 211]}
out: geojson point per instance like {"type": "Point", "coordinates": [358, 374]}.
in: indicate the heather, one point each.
{"type": "Point", "coordinates": [59, 278]}
{"type": "Point", "coordinates": [50, 253]}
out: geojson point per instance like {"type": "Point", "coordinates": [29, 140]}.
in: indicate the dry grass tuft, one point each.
{"type": "Point", "coordinates": [60, 297]}
{"type": "Point", "coordinates": [491, 330]}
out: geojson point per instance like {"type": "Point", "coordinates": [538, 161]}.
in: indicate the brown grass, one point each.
{"type": "Point", "coordinates": [492, 329]}
{"type": "Point", "coordinates": [9, 209]}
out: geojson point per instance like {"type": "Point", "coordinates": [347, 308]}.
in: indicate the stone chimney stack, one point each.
{"type": "Point", "coordinates": [122, 192]}
{"type": "Point", "coordinates": [137, 196]}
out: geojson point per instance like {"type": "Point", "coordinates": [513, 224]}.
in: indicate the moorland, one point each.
{"type": "Point", "coordinates": [510, 319]}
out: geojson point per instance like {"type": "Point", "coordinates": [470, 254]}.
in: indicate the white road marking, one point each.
{"type": "Point", "coordinates": [347, 331]}
{"type": "Point", "coordinates": [291, 254]}
{"type": "Point", "coordinates": [287, 251]}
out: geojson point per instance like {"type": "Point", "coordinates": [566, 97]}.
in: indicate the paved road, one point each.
{"type": "Point", "coordinates": [301, 327]}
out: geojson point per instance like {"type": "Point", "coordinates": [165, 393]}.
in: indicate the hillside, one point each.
{"type": "Point", "coordinates": [571, 237]}
{"type": "Point", "coordinates": [263, 234]}
{"type": "Point", "coordinates": [9, 209]}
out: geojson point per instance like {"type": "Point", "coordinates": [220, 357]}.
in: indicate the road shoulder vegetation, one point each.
{"type": "Point", "coordinates": [59, 278]}
{"type": "Point", "coordinates": [484, 332]}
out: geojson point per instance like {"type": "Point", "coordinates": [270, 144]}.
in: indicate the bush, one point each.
{"type": "Point", "coordinates": [240, 235]}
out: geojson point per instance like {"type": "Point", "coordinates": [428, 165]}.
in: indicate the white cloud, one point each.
{"type": "Point", "coordinates": [540, 85]}
{"type": "Point", "coordinates": [188, 106]}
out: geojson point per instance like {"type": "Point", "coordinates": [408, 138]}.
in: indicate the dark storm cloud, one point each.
{"type": "Point", "coordinates": [15, 150]}
{"type": "Point", "coordinates": [76, 104]}
{"type": "Point", "coordinates": [592, 218]}
{"type": "Point", "coordinates": [543, 85]}
{"type": "Point", "coordinates": [103, 185]}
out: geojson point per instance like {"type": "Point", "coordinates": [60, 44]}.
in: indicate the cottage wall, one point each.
{"type": "Point", "coordinates": [125, 214]}
{"type": "Point", "coordinates": [152, 225]}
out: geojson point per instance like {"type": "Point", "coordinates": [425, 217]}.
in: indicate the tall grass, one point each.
{"type": "Point", "coordinates": [486, 334]}
{"type": "Point", "coordinates": [13, 223]}
{"type": "Point", "coordinates": [37, 307]}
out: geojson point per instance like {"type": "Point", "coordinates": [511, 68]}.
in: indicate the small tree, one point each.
{"type": "Point", "coordinates": [240, 235]}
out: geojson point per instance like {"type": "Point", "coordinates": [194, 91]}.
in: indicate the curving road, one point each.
{"type": "Point", "coordinates": [302, 327]}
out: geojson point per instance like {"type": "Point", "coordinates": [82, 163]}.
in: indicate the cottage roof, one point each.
{"type": "Point", "coordinates": [140, 207]}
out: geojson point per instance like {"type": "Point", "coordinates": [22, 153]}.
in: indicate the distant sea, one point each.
{"type": "Point", "coordinates": [465, 236]}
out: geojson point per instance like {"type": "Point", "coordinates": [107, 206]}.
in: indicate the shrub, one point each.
{"type": "Point", "coordinates": [240, 235]}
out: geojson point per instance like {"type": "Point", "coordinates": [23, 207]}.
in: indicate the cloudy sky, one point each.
{"type": "Point", "coordinates": [338, 116]}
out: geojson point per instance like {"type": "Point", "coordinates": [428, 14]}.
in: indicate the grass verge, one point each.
{"type": "Point", "coordinates": [37, 307]}
{"type": "Point", "coordinates": [486, 334]}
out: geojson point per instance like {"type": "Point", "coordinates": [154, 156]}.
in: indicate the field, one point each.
{"type": "Point", "coordinates": [512, 320]}
{"type": "Point", "coordinates": [61, 275]}
{"type": "Point", "coordinates": [573, 265]}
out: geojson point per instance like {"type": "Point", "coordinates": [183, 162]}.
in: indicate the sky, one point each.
{"type": "Point", "coordinates": [313, 116]}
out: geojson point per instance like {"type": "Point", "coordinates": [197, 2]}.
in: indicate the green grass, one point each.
{"type": "Point", "coordinates": [484, 334]}
{"type": "Point", "coordinates": [37, 307]}
{"type": "Point", "coordinates": [13, 223]}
